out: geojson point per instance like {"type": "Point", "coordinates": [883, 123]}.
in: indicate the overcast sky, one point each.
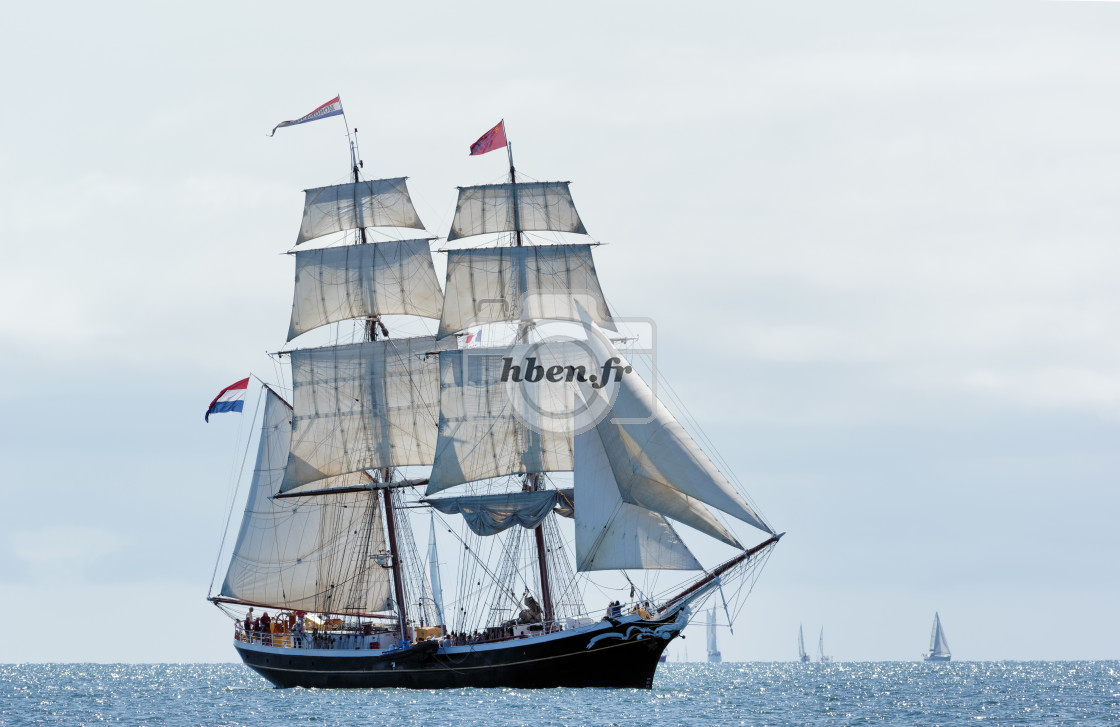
{"type": "Point", "coordinates": [878, 238]}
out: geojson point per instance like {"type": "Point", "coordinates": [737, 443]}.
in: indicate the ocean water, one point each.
{"type": "Point", "coordinates": [995, 693]}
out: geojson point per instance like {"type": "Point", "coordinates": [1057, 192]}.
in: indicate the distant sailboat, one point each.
{"type": "Point", "coordinates": [938, 646]}
{"type": "Point", "coordinates": [820, 650]}
{"type": "Point", "coordinates": [713, 651]}
{"type": "Point", "coordinates": [801, 645]}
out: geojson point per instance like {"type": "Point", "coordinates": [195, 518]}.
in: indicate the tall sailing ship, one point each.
{"type": "Point", "coordinates": [554, 480]}
{"type": "Point", "coordinates": [938, 645]}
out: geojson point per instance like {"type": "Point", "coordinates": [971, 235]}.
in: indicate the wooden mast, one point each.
{"type": "Point", "coordinates": [373, 324]}
{"type": "Point", "coordinates": [532, 479]}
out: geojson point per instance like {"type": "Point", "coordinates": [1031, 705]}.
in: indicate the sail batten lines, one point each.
{"type": "Point", "coordinates": [357, 205]}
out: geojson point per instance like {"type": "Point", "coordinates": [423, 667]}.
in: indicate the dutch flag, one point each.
{"type": "Point", "coordinates": [231, 398]}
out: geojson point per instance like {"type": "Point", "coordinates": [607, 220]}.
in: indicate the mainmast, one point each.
{"type": "Point", "coordinates": [532, 482]}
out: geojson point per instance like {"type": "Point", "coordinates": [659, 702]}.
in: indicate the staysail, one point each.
{"type": "Point", "coordinates": [657, 463]}
{"type": "Point", "coordinates": [354, 281]}
{"type": "Point", "coordinates": [612, 534]}
{"type": "Point", "coordinates": [301, 553]}
{"type": "Point", "coordinates": [353, 206]}
{"type": "Point", "coordinates": [530, 282]}
{"type": "Point", "coordinates": [515, 207]}
{"type": "Point", "coordinates": [363, 406]}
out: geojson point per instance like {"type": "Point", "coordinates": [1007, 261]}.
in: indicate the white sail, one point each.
{"type": "Point", "coordinates": [372, 203]}
{"type": "Point", "coordinates": [801, 644]}
{"type": "Point", "coordinates": [491, 514]}
{"type": "Point", "coordinates": [938, 645]}
{"type": "Point", "coordinates": [433, 570]}
{"type": "Point", "coordinates": [713, 648]}
{"type": "Point", "coordinates": [353, 281]}
{"type": "Point", "coordinates": [512, 207]}
{"type": "Point", "coordinates": [656, 463]}
{"type": "Point", "coordinates": [482, 433]}
{"type": "Point", "coordinates": [363, 406]}
{"type": "Point", "coordinates": [612, 534]}
{"type": "Point", "coordinates": [301, 553]}
{"type": "Point", "coordinates": [519, 284]}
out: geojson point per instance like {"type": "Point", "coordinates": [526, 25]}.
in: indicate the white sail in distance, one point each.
{"type": "Point", "coordinates": [434, 581]}
{"type": "Point", "coordinates": [356, 205]}
{"type": "Point", "coordinates": [531, 282]}
{"type": "Point", "coordinates": [363, 406]}
{"type": "Point", "coordinates": [938, 645]}
{"type": "Point", "coordinates": [515, 207]}
{"type": "Point", "coordinates": [353, 281]}
{"type": "Point", "coordinates": [299, 553]}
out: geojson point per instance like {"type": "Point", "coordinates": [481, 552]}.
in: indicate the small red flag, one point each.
{"type": "Point", "coordinates": [491, 140]}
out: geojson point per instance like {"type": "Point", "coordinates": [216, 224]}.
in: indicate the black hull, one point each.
{"type": "Point", "coordinates": [606, 655]}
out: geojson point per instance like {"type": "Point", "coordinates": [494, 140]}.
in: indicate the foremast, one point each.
{"type": "Point", "coordinates": [374, 326]}
{"type": "Point", "coordinates": [379, 389]}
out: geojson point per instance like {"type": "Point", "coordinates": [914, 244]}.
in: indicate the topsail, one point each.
{"type": "Point", "coordinates": [354, 281]}
{"type": "Point", "coordinates": [531, 282]}
{"type": "Point", "coordinates": [515, 207]}
{"type": "Point", "coordinates": [353, 206]}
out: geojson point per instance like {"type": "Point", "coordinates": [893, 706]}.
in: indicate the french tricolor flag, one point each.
{"type": "Point", "coordinates": [231, 398]}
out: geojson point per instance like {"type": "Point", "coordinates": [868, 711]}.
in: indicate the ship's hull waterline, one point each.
{"type": "Point", "coordinates": [619, 654]}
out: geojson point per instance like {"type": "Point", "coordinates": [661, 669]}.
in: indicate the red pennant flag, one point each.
{"type": "Point", "coordinates": [491, 140]}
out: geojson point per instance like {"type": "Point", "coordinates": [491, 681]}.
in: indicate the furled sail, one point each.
{"type": "Point", "coordinates": [363, 406]}
{"type": "Point", "coordinates": [515, 207]}
{"type": "Point", "coordinates": [492, 514]}
{"type": "Point", "coordinates": [353, 281]}
{"type": "Point", "coordinates": [371, 203]}
{"type": "Point", "coordinates": [531, 282]}
{"type": "Point", "coordinates": [486, 429]}
{"type": "Point", "coordinates": [612, 534]}
{"type": "Point", "coordinates": [301, 553]}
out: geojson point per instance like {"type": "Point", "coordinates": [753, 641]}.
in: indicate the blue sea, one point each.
{"type": "Point", "coordinates": [996, 693]}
